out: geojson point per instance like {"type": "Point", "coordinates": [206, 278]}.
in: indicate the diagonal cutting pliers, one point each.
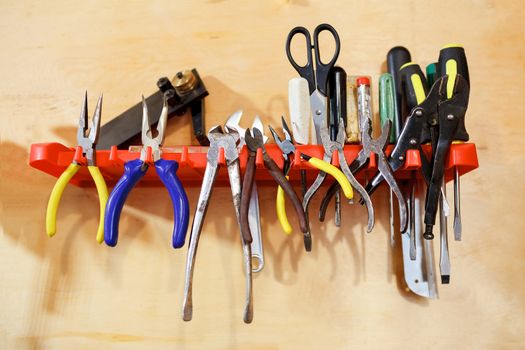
{"type": "Point", "coordinates": [134, 170]}
{"type": "Point", "coordinates": [88, 146]}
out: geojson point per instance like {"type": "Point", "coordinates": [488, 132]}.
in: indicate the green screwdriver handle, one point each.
{"type": "Point", "coordinates": [386, 103]}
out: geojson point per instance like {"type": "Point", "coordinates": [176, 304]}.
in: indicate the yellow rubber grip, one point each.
{"type": "Point", "coordinates": [451, 66]}
{"type": "Point", "coordinates": [103, 195]}
{"type": "Point", "coordinates": [336, 173]}
{"type": "Point", "coordinates": [417, 84]}
{"type": "Point", "coordinates": [280, 206]}
{"type": "Point", "coordinates": [54, 199]}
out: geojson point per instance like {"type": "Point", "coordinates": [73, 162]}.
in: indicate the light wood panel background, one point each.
{"type": "Point", "coordinates": [70, 293]}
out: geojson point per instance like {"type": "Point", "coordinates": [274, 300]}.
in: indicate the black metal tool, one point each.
{"type": "Point", "coordinates": [187, 91]}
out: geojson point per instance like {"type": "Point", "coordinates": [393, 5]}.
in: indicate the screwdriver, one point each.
{"type": "Point", "coordinates": [337, 96]}
{"type": "Point", "coordinates": [452, 61]}
{"type": "Point", "coordinates": [386, 113]}
{"type": "Point", "coordinates": [444, 256]}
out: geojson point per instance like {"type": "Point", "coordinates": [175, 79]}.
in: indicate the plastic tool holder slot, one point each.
{"type": "Point", "coordinates": [54, 158]}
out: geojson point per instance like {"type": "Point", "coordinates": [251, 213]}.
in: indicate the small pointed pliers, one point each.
{"type": "Point", "coordinates": [134, 170]}
{"type": "Point", "coordinates": [88, 146]}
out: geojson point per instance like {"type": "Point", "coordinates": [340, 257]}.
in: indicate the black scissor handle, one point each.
{"type": "Point", "coordinates": [323, 69]}
{"type": "Point", "coordinates": [306, 71]}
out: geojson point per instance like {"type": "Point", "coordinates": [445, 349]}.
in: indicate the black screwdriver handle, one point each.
{"type": "Point", "coordinates": [452, 61]}
{"type": "Point", "coordinates": [395, 59]}
{"type": "Point", "coordinates": [415, 89]}
{"type": "Point", "coordinates": [337, 94]}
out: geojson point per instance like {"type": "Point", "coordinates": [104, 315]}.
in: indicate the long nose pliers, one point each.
{"type": "Point", "coordinates": [134, 170]}
{"type": "Point", "coordinates": [88, 148]}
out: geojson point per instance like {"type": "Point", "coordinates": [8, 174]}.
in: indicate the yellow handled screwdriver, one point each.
{"type": "Point", "coordinates": [88, 145]}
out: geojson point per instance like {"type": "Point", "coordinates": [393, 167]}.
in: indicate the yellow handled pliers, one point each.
{"type": "Point", "coordinates": [88, 145]}
{"type": "Point", "coordinates": [288, 149]}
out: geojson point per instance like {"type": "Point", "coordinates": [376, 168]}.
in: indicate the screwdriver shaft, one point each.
{"type": "Point", "coordinates": [444, 258]}
{"type": "Point", "coordinates": [457, 206]}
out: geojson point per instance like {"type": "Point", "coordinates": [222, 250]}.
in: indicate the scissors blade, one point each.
{"type": "Point", "coordinates": [318, 103]}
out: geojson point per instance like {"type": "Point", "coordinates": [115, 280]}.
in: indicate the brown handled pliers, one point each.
{"type": "Point", "coordinates": [255, 140]}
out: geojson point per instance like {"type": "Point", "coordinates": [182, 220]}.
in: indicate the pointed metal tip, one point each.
{"type": "Point", "coordinates": [308, 243]}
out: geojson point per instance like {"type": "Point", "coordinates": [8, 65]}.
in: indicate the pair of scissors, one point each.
{"type": "Point", "coordinates": [315, 74]}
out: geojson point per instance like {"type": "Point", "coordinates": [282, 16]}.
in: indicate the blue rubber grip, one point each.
{"type": "Point", "coordinates": [134, 170]}
{"type": "Point", "coordinates": [167, 171]}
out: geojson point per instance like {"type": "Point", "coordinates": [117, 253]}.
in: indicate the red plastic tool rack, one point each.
{"type": "Point", "coordinates": [54, 158]}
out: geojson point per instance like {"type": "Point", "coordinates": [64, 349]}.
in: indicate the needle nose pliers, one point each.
{"type": "Point", "coordinates": [134, 170]}
{"type": "Point", "coordinates": [88, 147]}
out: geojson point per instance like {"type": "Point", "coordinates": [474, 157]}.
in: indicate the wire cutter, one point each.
{"type": "Point", "coordinates": [134, 170]}
{"type": "Point", "coordinates": [254, 143]}
{"type": "Point", "coordinates": [87, 144]}
{"type": "Point", "coordinates": [442, 116]}
{"type": "Point", "coordinates": [288, 149]}
{"type": "Point", "coordinates": [329, 148]}
{"type": "Point", "coordinates": [227, 141]}
{"type": "Point", "coordinates": [317, 76]}
{"type": "Point", "coordinates": [254, 218]}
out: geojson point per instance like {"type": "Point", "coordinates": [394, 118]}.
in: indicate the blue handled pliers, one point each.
{"type": "Point", "coordinates": [134, 170]}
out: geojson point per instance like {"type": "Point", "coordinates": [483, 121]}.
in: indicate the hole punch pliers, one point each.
{"type": "Point", "coordinates": [134, 170]}
{"type": "Point", "coordinates": [87, 147]}
{"type": "Point", "coordinates": [227, 142]}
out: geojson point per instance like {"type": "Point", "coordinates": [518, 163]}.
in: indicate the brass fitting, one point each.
{"type": "Point", "coordinates": [184, 82]}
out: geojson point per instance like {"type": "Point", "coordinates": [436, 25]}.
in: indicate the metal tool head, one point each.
{"type": "Point", "coordinates": [254, 142]}
{"type": "Point", "coordinates": [147, 133]}
{"type": "Point", "coordinates": [226, 140]}
{"type": "Point", "coordinates": [375, 145]}
{"type": "Point", "coordinates": [88, 142]}
{"type": "Point", "coordinates": [286, 145]}
{"type": "Point", "coordinates": [233, 123]}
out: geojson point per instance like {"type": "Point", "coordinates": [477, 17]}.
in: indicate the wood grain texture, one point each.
{"type": "Point", "coordinates": [70, 293]}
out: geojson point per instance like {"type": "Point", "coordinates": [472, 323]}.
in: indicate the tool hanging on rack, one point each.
{"type": "Point", "coordinates": [134, 170]}
{"type": "Point", "coordinates": [442, 115]}
{"type": "Point", "coordinates": [254, 219]}
{"type": "Point", "coordinates": [227, 142]}
{"type": "Point", "coordinates": [288, 150]}
{"type": "Point", "coordinates": [315, 72]}
{"type": "Point", "coordinates": [86, 148]}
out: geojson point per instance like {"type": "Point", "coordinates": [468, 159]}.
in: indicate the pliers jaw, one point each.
{"type": "Point", "coordinates": [88, 143]}
{"type": "Point", "coordinates": [254, 142]}
{"type": "Point", "coordinates": [155, 143]}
